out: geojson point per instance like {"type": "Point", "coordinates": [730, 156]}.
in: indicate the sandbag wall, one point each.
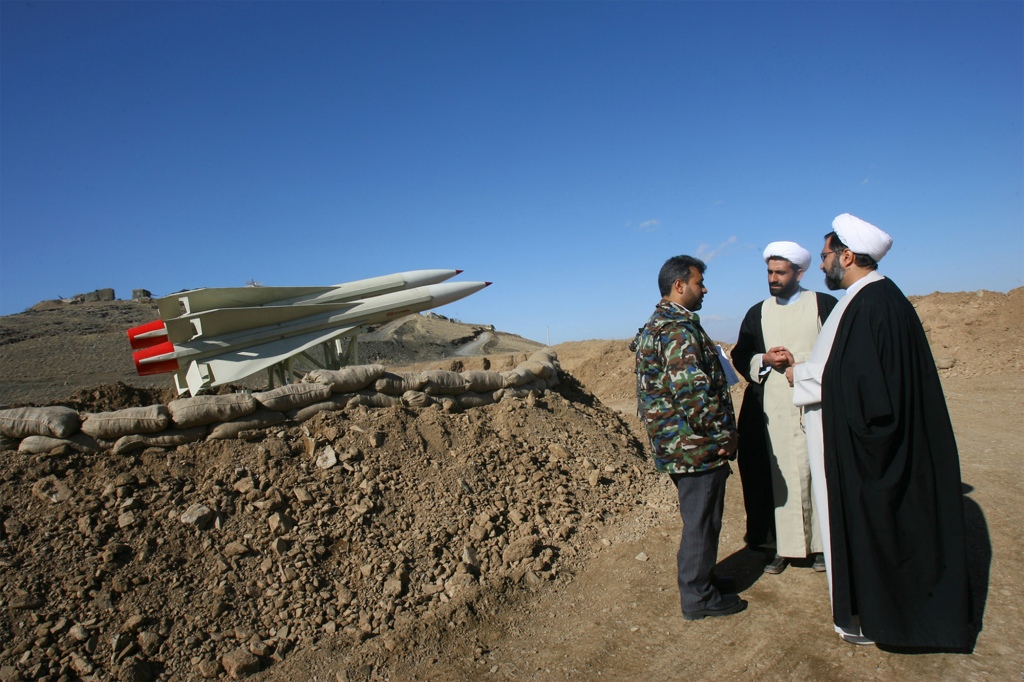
{"type": "Point", "coordinates": [38, 430]}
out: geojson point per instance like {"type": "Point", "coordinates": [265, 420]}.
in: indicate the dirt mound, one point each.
{"type": "Point", "coordinates": [980, 332]}
{"type": "Point", "coordinates": [261, 547]}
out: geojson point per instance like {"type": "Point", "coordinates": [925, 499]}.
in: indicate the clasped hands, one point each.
{"type": "Point", "coordinates": [780, 359]}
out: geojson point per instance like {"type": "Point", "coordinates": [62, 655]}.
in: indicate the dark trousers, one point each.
{"type": "Point", "coordinates": [701, 501]}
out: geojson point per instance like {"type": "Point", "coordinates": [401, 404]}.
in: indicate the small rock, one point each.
{"type": "Point", "coordinates": [642, 556]}
{"type": "Point", "coordinates": [50, 489]}
{"type": "Point", "coordinates": [133, 623]}
{"type": "Point", "coordinates": [24, 601]}
{"type": "Point", "coordinates": [520, 549]}
{"type": "Point", "coordinates": [198, 515]}
{"type": "Point", "coordinates": [235, 549]}
{"type": "Point", "coordinates": [208, 669]}
{"type": "Point", "coordinates": [327, 459]}
{"type": "Point", "coordinates": [280, 523]}
{"type": "Point", "coordinates": [240, 663]}
{"type": "Point", "coordinates": [149, 642]}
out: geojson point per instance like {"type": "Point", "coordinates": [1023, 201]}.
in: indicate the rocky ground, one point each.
{"type": "Point", "coordinates": [522, 540]}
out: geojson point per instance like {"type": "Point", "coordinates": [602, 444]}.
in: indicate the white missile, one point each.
{"type": "Point", "coordinates": [216, 345]}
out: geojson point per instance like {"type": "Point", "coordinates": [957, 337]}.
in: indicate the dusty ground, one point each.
{"type": "Point", "coordinates": [595, 598]}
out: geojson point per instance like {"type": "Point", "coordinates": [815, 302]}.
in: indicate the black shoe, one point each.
{"type": "Point", "coordinates": [819, 563]}
{"type": "Point", "coordinates": [730, 604]}
{"type": "Point", "coordinates": [776, 565]}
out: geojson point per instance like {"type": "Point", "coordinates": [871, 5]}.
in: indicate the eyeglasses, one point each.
{"type": "Point", "coordinates": [826, 254]}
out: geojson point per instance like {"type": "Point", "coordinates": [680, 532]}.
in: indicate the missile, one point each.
{"type": "Point", "coordinates": [216, 345]}
{"type": "Point", "coordinates": [189, 303]}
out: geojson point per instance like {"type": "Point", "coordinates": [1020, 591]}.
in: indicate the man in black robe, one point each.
{"type": "Point", "coordinates": [897, 560]}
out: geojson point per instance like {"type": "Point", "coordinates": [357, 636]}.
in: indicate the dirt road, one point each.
{"type": "Point", "coordinates": [619, 619]}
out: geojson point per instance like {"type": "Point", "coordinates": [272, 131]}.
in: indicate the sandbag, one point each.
{"type": "Point", "coordinates": [171, 438]}
{"type": "Point", "coordinates": [336, 402]}
{"type": "Point", "coordinates": [39, 445]}
{"type": "Point", "coordinates": [443, 382]}
{"type": "Point", "coordinates": [346, 379]}
{"type": "Point", "coordinates": [292, 396]}
{"type": "Point", "coordinates": [113, 425]}
{"type": "Point", "coordinates": [544, 370]}
{"type": "Point", "coordinates": [374, 399]}
{"type": "Point", "coordinates": [517, 393]}
{"type": "Point", "coordinates": [547, 355]}
{"type": "Point", "coordinates": [57, 421]}
{"type": "Point", "coordinates": [398, 383]}
{"type": "Point", "coordinates": [417, 399]}
{"type": "Point", "coordinates": [483, 382]}
{"type": "Point", "coordinates": [515, 378]}
{"type": "Point", "coordinates": [207, 409]}
{"type": "Point", "coordinates": [471, 399]}
{"type": "Point", "coordinates": [260, 419]}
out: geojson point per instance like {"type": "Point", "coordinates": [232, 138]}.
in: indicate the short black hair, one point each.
{"type": "Point", "coordinates": [678, 267]}
{"type": "Point", "coordinates": [837, 246]}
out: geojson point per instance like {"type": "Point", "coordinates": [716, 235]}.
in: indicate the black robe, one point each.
{"type": "Point", "coordinates": [752, 453]}
{"type": "Point", "coordinates": [896, 515]}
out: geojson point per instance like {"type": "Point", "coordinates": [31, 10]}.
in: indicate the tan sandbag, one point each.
{"type": "Point", "coordinates": [515, 378]}
{"type": "Point", "coordinates": [547, 355]}
{"type": "Point", "coordinates": [171, 438]}
{"type": "Point", "coordinates": [417, 399]}
{"type": "Point", "coordinates": [544, 370]}
{"type": "Point", "coordinates": [374, 399]}
{"type": "Point", "coordinates": [346, 379]}
{"type": "Point", "coordinates": [397, 383]}
{"type": "Point", "coordinates": [336, 402]}
{"type": "Point", "coordinates": [443, 382]}
{"type": "Point", "coordinates": [483, 382]}
{"type": "Point", "coordinates": [260, 419]}
{"type": "Point", "coordinates": [471, 399]}
{"type": "Point", "coordinates": [292, 396]}
{"type": "Point", "coordinates": [113, 425]}
{"type": "Point", "coordinates": [207, 409]}
{"type": "Point", "coordinates": [57, 421]}
{"type": "Point", "coordinates": [516, 393]}
{"type": "Point", "coordinates": [40, 445]}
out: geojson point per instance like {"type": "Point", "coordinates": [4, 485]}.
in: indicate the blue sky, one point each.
{"type": "Point", "coordinates": [562, 150]}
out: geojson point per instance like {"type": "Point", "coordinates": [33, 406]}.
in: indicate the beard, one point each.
{"type": "Point", "coordinates": [834, 275]}
{"type": "Point", "coordinates": [784, 291]}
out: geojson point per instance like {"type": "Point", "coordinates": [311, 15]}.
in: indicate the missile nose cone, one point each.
{"type": "Point", "coordinates": [459, 272]}
{"type": "Point", "coordinates": [487, 284]}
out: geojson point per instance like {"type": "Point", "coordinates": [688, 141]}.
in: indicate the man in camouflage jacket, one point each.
{"type": "Point", "coordinates": [684, 402]}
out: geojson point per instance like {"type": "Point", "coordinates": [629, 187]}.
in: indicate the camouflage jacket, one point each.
{"type": "Point", "coordinates": [682, 393]}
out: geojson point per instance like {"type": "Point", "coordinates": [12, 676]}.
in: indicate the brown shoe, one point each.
{"type": "Point", "coordinates": [776, 565]}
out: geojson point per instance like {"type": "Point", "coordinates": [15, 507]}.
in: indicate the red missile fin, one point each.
{"type": "Point", "coordinates": [147, 335]}
{"type": "Point", "coordinates": [156, 366]}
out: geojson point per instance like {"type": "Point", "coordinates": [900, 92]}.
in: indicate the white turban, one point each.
{"type": "Point", "coordinates": [791, 251]}
{"type": "Point", "coordinates": [861, 236]}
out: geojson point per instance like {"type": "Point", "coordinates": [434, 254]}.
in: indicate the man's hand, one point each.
{"type": "Point", "coordinates": [729, 449]}
{"type": "Point", "coordinates": [778, 358]}
{"type": "Point", "coordinates": [789, 375]}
